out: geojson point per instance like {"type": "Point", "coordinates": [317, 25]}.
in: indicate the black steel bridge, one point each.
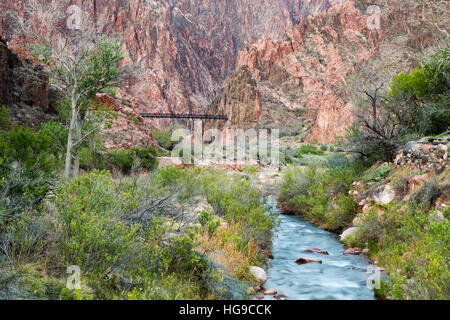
{"type": "Point", "coordinates": [184, 116]}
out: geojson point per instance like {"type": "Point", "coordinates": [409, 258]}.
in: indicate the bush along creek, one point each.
{"type": "Point", "coordinates": [308, 262]}
{"type": "Point", "coordinates": [391, 214]}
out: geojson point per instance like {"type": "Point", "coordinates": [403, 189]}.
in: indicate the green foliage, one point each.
{"type": "Point", "coordinates": [320, 194]}
{"type": "Point", "coordinates": [427, 90]}
{"type": "Point", "coordinates": [164, 138]}
{"type": "Point", "coordinates": [208, 222]}
{"type": "Point", "coordinates": [299, 112]}
{"type": "Point", "coordinates": [98, 233]}
{"type": "Point", "coordinates": [127, 159]}
{"type": "Point", "coordinates": [5, 119]}
{"type": "Point", "coordinates": [376, 174]}
{"type": "Point", "coordinates": [239, 202]}
{"type": "Point", "coordinates": [250, 170]}
{"type": "Point", "coordinates": [309, 149]}
{"type": "Point", "coordinates": [416, 104]}
{"type": "Point", "coordinates": [412, 243]}
{"type": "Point", "coordinates": [43, 148]}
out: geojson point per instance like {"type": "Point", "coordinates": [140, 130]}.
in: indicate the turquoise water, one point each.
{"type": "Point", "coordinates": [339, 277]}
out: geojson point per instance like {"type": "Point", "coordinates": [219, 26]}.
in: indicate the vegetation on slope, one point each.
{"type": "Point", "coordinates": [408, 236]}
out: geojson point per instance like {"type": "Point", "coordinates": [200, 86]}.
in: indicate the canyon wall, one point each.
{"type": "Point", "coordinates": [309, 71]}
{"type": "Point", "coordinates": [263, 62]}
{"type": "Point", "coordinates": [186, 49]}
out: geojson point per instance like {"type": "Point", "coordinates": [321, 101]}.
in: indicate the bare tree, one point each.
{"type": "Point", "coordinates": [80, 61]}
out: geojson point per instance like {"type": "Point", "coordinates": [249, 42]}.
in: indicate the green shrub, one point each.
{"type": "Point", "coordinates": [320, 194]}
{"type": "Point", "coordinates": [164, 138]}
{"type": "Point", "coordinates": [126, 159]}
{"type": "Point", "coordinates": [43, 148]}
{"type": "Point", "coordinates": [309, 149]}
{"type": "Point", "coordinates": [412, 244]}
{"type": "Point", "coordinates": [239, 202]}
{"type": "Point", "coordinates": [376, 174]}
{"type": "Point", "coordinates": [5, 119]}
{"type": "Point", "coordinates": [427, 92]}
{"type": "Point", "coordinates": [208, 222]}
{"type": "Point", "coordinates": [116, 252]}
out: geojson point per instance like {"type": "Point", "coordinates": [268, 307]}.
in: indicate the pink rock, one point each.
{"type": "Point", "coordinates": [315, 250]}
{"type": "Point", "coordinates": [270, 292]}
{"type": "Point", "coordinates": [355, 251]}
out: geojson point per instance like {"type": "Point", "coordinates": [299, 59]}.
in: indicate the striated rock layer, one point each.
{"type": "Point", "coordinates": [309, 70]}
{"type": "Point", "coordinates": [186, 49]}
{"type": "Point", "coordinates": [265, 63]}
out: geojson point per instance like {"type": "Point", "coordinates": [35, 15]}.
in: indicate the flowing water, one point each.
{"type": "Point", "coordinates": [339, 277]}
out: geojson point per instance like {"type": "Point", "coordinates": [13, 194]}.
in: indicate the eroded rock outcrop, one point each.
{"type": "Point", "coordinates": [127, 128]}
{"type": "Point", "coordinates": [309, 69]}
{"type": "Point", "coordinates": [18, 86]}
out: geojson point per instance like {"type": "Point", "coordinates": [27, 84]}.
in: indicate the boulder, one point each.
{"type": "Point", "coordinates": [412, 147]}
{"type": "Point", "coordinates": [270, 292]}
{"type": "Point", "coordinates": [441, 151]}
{"type": "Point", "coordinates": [354, 251]}
{"type": "Point", "coordinates": [259, 274]}
{"type": "Point", "coordinates": [383, 195]}
{"type": "Point", "coordinates": [306, 260]}
{"type": "Point", "coordinates": [347, 233]}
{"type": "Point", "coordinates": [315, 250]}
{"type": "Point", "coordinates": [280, 296]}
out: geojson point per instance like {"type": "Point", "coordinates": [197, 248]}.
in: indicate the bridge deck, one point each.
{"type": "Point", "coordinates": [184, 116]}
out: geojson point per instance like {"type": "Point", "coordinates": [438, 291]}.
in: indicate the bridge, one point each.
{"type": "Point", "coordinates": [184, 116]}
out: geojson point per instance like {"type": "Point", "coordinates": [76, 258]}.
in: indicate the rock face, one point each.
{"type": "Point", "coordinates": [287, 62]}
{"type": "Point", "coordinates": [424, 157]}
{"type": "Point", "coordinates": [188, 48]}
{"type": "Point", "coordinates": [308, 71]}
{"type": "Point", "coordinates": [315, 250]}
{"type": "Point", "coordinates": [383, 195]}
{"type": "Point", "coordinates": [127, 128]}
{"type": "Point", "coordinates": [302, 71]}
{"type": "Point", "coordinates": [17, 87]}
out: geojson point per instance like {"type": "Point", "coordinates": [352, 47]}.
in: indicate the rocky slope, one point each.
{"type": "Point", "coordinates": [309, 70]}
{"type": "Point", "coordinates": [21, 92]}
{"type": "Point", "coordinates": [186, 49]}
{"type": "Point", "coordinates": [280, 63]}
{"type": "Point", "coordinates": [28, 101]}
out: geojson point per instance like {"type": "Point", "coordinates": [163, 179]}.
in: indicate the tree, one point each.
{"type": "Point", "coordinates": [427, 91]}
{"type": "Point", "coordinates": [379, 124]}
{"type": "Point", "coordinates": [80, 63]}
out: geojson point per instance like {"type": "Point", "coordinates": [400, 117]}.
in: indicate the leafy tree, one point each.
{"type": "Point", "coordinates": [426, 89]}
{"type": "Point", "coordinates": [80, 63]}
{"type": "Point", "coordinates": [414, 104]}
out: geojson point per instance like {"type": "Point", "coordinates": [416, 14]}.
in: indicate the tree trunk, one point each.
{"type": "Point", "coordinates": [73, 121]}
{"type": "Point", "coordinates": [76, 164]}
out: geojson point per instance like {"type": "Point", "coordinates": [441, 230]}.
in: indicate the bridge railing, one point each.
{"type": "Point", "coordinates": [184, 116]}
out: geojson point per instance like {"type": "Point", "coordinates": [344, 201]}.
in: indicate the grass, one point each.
{"type": "Point", "coordinates": [407, 237]}
{"type": "Point", "coordinates": [136, 238]}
